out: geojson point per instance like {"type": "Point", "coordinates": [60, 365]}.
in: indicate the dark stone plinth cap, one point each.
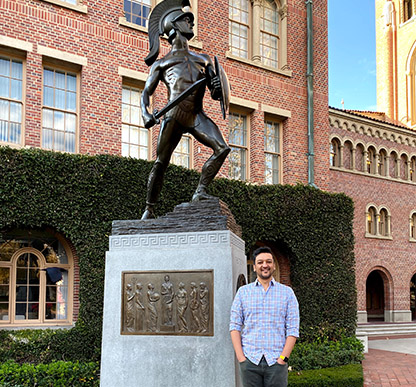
{"type": "Point", "coordinates": [206, 215]}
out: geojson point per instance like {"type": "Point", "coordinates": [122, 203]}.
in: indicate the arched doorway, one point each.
{"type": "Point", "coordinates": [413, 297]}
{"type": "Point", "coordinates": [375, 296]}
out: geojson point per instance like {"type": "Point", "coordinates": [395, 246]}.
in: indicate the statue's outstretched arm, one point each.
{"type": "Point", "coordinates": [149, 88]}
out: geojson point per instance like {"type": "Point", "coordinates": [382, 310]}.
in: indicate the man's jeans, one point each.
{"type": "Point", "coordinates": [262, 375]}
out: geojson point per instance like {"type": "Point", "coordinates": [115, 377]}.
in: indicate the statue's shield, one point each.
{"type": "Point", "coordinates": [225, 88]}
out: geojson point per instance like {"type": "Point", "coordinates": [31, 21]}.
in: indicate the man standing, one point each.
{"type": "Point", "coordinates": [264, 326]}
{"type": "Point", "coordinates": [179, 70]}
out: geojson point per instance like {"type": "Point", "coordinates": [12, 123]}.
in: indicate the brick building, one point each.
{"type": "Point", "coordinates": [373, 160]}
{"type": "Point", "coordinates": [396, 59]}
{"type": "Point", "coordinates": [71, 74]}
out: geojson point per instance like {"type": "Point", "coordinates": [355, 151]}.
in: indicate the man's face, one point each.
{"type": "Point", "coordinates": [264, 266]}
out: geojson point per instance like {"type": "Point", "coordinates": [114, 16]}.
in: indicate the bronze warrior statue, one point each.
{"type": "Point", "coordinates": [186, 75]}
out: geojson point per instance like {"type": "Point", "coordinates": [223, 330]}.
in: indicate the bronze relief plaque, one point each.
{"type": "Point", "coordinates": [168, 303]}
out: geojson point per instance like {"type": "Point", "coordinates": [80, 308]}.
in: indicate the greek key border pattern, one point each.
{"type": "Point", "coordinates": [197, 239]}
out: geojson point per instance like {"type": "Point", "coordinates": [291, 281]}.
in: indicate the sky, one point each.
{"type": "Point", "coordinates": [352, 54]}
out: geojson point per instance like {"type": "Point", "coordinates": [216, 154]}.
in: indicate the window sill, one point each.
{"type": "Point", "coordinates": [408, 21]}
{"type": "Point", "coordinates": [367, 235]}
{"type": "Point", "coordinates": [123, 22]}
{"type": "Point", "coordinates": [63, 325]}
{"type": "Point", "coordinates": [11, 145]}
{"type": "Point", "coordinates": [286, 72]}
{"type": "Point", "coordinates": [77, 8]}
{"type": "Point", "coordinates": [412, 240]}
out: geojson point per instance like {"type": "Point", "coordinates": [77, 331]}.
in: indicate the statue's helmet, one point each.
{"type": "Point", "coordinates": [162, 21]}
{"type": "Point", "coordinates": [167, 25]}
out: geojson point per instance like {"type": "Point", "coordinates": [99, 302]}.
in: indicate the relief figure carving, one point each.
{"type": "Point", "coordinates": [204, 301]}
{"type": "Point", "coordinates": [130, 317]}
{"type": "Point", "coordinates": [194, 305]}
{"type": "Point", "coordinates": [152, 298]}
{"type": "Point", "coordinates": [181, 306]}
{"type": "Point", "coordinates": [140, 309]}
{"type": "Point", "coordinates": [168, 297]}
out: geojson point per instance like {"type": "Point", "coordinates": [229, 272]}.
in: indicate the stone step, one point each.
{"type": "Point", "coordinates": [387, 329]}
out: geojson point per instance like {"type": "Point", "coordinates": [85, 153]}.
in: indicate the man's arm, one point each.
{"type": "Point", "coordinates": [149, 88]}
{"type": "Point", "coordinates": [287, 349]}
{"type": "Point", "coordinates": [236, 323]}
{"type": "Point", "coordinates": [238, 348]}
{"type": "Point", "coordinates": [292, 326]}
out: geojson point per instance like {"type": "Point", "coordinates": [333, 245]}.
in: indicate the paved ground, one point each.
{"type": "Point", "coordinates": [390, 362]}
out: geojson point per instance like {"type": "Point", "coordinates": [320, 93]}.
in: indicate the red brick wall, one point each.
{"type": "Point", "coordinates": [98, 37]}
{"type": "Point", "coordinates": [396, 257]}
{"type": "Point", "coordinates": [106, 44]}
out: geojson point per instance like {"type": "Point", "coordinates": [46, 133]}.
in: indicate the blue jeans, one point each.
{"type": "Point", "coordinates": [263, 375]}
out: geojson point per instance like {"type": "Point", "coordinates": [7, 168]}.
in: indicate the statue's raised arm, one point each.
{"type": "Point", "coordinates": [186, 75]}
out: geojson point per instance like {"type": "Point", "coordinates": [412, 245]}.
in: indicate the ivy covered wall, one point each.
{"type": "Point", "coordinates": [79, 196]}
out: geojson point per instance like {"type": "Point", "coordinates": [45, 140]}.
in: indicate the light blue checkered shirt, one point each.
{"type": "Point", "coordinates": [265, 319]}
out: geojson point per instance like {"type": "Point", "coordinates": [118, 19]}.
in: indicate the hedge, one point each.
{"type": "Point", "coordinates": [80, 195]}
{"type": "Point", "coordinates": [326, 353]}
{"type": "Point", "coordinates": [56, 374]}
{"type": "Point", "coordinates": [345, 376]}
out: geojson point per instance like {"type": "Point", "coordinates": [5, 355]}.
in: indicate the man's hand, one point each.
{"type": "Point", "coordinates": [280, 361]}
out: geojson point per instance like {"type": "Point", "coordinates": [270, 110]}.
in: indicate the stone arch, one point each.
{"type": "Point", "coordinates": [379, 294]}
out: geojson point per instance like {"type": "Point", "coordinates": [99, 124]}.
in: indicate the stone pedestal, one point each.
{"type": "Point", "coordinates": [152, 359]}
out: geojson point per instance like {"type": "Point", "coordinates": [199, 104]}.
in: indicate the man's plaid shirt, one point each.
{"type": "Point", "coordinates": [265, 319]}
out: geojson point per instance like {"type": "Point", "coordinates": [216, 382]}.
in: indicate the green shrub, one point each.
{"type": "Point", "coordinates": [56, 374]}
{"type": "Point", "coordinates": [345, 376]}
{"type": "Point", "coordinates": [80, 195]}
{"type": "Point", "coordinates": [326, 353]}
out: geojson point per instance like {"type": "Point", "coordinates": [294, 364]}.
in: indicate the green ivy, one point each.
{"type": "Point", "coordinates": [80, 195]}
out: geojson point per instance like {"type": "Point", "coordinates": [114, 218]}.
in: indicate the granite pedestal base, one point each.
{"type": "Point", "coordinates": [172, 360]}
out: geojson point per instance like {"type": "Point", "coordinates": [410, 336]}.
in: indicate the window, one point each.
{"type": "Point", "coordinates": [36, 275]}
{"type": "Point", "coordinates": [182, 154]}
{"type": "Point", "coordinates": [412, 170]}
{"type": "Point", "coordinates": [269, 35]}
{"type": "Point", "coordinates": [371, 160]}
{"type": "Point", "coordinates": [135, 137]}
{"type": "Point", "coordinates": [413, 226]}
{"type": "Point", "coordinates": [137, 11]}
{"type": "Point", "coordinates": [382, 163]}
{"type": "Point", "coordinates": [359, 158]}
{"type": "Point", "coordinates": [335, 153]}
{"type": "Point", "coordinates": [378, 223]}
{"type": "Point", "coordinates": [239, 27]}
{"type": "Point", "coordinates": [60, 111]}
{"type": "Point", "coordinates": [257, 32]}
{"type": "Point", "coordinates": [394, 165]}
{"type": "Point", "coordinates": [11, 100]}
{"type": "Point", "coordinates": [272, 152]}
{"type": "Point", "coordinates": [383, 223]}
{"type": "Point", "coordinates": [404, 165]}
{"type": "Point", "coordinates": [407, 10]}
{"type": "Point", "coordinates": [238, 143]}
{"type": "Point", "coordinates": [348, 155]}
{"type": "Point", "coordinates": [371, 221]}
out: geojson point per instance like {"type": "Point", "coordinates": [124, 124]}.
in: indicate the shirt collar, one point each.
{"type": "Point", "coordinates": [272, 282]}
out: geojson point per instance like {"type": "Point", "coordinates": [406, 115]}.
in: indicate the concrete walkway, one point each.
{"type": "Point", "coordinates": [390, 361]}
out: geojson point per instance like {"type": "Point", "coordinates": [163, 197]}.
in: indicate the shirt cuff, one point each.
{"type": "Point", "coordinates": [292, 332]}
{"type": "Point", "coordinates": [235, 327]}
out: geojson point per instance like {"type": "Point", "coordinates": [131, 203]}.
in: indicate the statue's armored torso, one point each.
{"type": "Point", "coordinates": [181, 69]}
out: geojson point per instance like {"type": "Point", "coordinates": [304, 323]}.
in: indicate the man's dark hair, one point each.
{"type": "Point", "coordinates": [260, 250]}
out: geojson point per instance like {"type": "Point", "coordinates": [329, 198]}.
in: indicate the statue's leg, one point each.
{"type": "Point", "coordinates": [208, 134]}
{"type": "Point", "coordinates": [168, 139]}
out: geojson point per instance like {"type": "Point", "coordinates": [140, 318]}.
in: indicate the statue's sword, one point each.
{"type": "Point", "coordinates": [174, 102]}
